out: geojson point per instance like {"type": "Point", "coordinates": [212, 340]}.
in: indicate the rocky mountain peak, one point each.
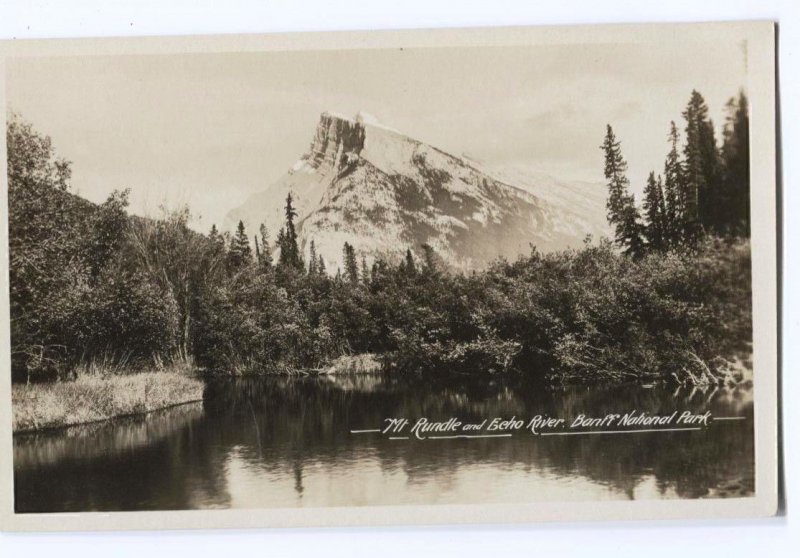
{"type": "Point", "coordinates": [383, 192]}
{"type": "Point", "coordinates": [337, 141]}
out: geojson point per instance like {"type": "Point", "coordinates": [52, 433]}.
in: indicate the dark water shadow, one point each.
{"type": "Point", "coordinates": [287, 442]}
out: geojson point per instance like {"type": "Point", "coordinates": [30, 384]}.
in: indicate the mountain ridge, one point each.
{"type": "Point", "coordinates": [383, 192]}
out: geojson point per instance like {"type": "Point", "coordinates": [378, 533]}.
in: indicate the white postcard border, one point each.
{"type": "Point", "coordinates": [760, 37]}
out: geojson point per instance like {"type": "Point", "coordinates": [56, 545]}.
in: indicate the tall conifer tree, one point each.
{"type": "Point", "coordinates": [410, 266]}
{"type": "Point", "coordinates": [350, 263]}
{"type": "Point", "coordinates": [621, 206]}
{"type": "Point", "coordinates": [213, 234]}
{"type": "Point", "coordinates": [430, 261]}
{"type": "Point", "coordinates": [674, 190]}
{"type": "Point", "coordinates": [312, 259]}
{"type": "Point", "coordinates": [702, 210]}
{"type": "Point", "coordinates": [736, 167]}
{"type": "Point", "coordinates": [240, 253]}
{"type": "Point", "coordinates": [655, 213]}
{"type": "Point", "coordinates": [364, 271]}
{"type": "Point", "coordinates": [287, 239]}
{"type": "Point", "coordinates": [265, 260]}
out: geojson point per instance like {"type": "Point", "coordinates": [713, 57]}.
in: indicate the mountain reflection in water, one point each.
{"type": "Point", "coordinates": [286, 442]}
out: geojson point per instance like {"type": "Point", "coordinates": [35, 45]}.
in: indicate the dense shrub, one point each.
{"type": "Point", "coordinates": [90, 281]}
{"type": "Point", "coordinates": [125, 313]}
{"type": "Point", "coordinates": [253, 325]}
{"type": "Point", "coordinates": [595, 313]}
{"type": "Point", "coordinates": [73, 295]}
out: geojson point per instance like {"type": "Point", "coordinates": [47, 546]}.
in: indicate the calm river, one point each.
{"type": "Point", "coordinates": [281, 442]}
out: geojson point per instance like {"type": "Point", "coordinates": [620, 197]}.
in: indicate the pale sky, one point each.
{"type": "Point", "coordinates": [211, 129]}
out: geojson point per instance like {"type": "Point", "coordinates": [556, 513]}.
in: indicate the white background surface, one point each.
{"type": "Point", "coordinates": [772, 537]}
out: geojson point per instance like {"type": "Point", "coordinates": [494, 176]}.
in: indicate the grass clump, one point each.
{"type": "Point", "coordinates": [366, 363]}
{"type": "Point", "coordinates": [95, 395]}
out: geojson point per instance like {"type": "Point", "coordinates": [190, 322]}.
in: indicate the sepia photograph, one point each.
{"type": "Point", "coordinates": [510, 270]}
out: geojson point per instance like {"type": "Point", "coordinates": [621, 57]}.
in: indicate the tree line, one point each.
{"type": "Point", "coordinates": [704, 189]}
{"type": "Point", "coordinates": [91, 282]}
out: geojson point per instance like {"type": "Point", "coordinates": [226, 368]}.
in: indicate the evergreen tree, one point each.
{"type": "Point", "coordinates": [674, 190]}
{"type": "Point", "coordinates": [312, 259]}
{"type": "Point", "coordinates": [213, 234]}
{"type": "Point", "coordinates": [281, 242]}
{"type": "Point", "coordinates": [217, 250]}
{"type": "Point", "coordinates": [430, 260]}
{"type": "Point", "coordinates": [364, 271]}
{"type": "Point", "coordinates": [736, 167]}
{"type": "Point", "coordinates": [321, 266]}
{"type": "Point", "coordinates": [287, 240]}
{"type": "Point", "coordinates": [621, 206]}
{"type": "Point", "coordinates": [380, 272]}
{"type": "Point", "coordinates": [632, 228]}
{"type": "Point", "coordinates": [655, 213]}
{"type": "Point", "coordinates": [350, 263]}
{"type": "Point", "coordinates": [702, 210]}
{"type": "Point", "coordinates": [239, 252]}
{"type": "Point", "coordinates": [410, 267]}
{"type": "Point", "coordinates": [265, 260]}
{"type": "Point", "coordinates": [663, 204]}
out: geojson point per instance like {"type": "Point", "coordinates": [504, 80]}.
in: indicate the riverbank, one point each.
{"type": "Point", "coordinates": [365, 363]}
{"type": "Point", "coordinates": [344, 365]}
{"type": "Point", "coordinates": [92, 398]}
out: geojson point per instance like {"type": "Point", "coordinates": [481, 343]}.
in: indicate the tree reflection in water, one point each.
{"type": "Point", "coordinates": [282, 442]}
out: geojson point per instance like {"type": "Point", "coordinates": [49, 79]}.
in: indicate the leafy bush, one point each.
{"type": "Point", "coordinates": [90, 281]}
{"type": "Point", "coordinates": [596, 314]}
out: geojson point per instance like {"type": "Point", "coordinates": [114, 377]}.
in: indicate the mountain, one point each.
{"type": "Point", "coordinates": [577, 207]}
{"type": "Point", "coordinates": [383, 192]}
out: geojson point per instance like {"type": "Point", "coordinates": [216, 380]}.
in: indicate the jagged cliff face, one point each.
{"type": "Point", "coordinates": [336, 142]}
{"type": "Point", "coordinates": [335, 146]}
{"type": "Point", "coordinates": [384, 192]}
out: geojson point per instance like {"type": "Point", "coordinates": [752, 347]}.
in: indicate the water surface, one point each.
{"type": "Point", "coordinates": [284, 442]}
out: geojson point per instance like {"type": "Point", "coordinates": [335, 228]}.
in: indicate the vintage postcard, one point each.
{"type": "Point", "coordinates": [381, 278]}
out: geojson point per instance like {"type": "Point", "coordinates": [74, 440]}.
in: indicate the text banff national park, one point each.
{"type": "Point", "coordinates": [543, 424]}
